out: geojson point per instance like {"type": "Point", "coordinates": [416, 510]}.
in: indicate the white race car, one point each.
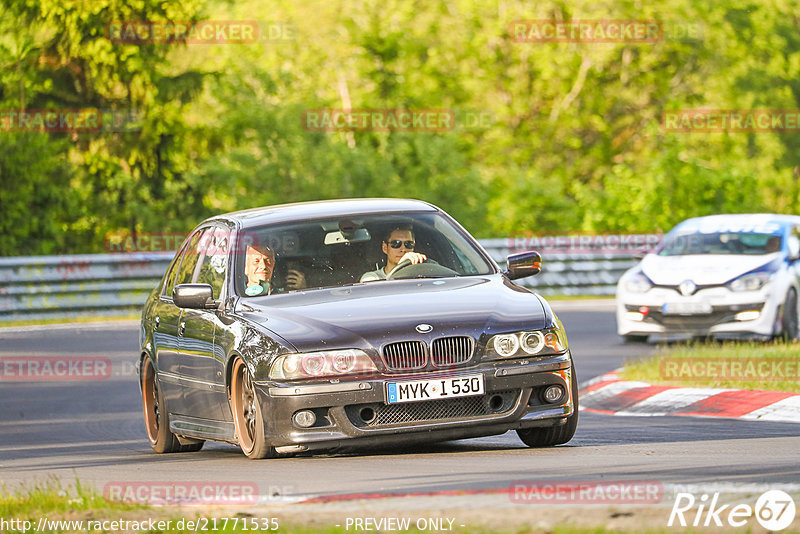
{"type": "Point", "coordinates": [722, 276]}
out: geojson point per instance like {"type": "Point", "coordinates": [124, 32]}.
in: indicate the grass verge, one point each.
{"type": "Point", "coordinates": [53, 498]}
{"type": "Point", "coordinates": [756, 366]}
{"type": "Point", "coordinates": [81, 509]}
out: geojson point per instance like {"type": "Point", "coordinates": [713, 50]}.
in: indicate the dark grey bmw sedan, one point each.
{"type": "Point", "coordinates": [362, 322]}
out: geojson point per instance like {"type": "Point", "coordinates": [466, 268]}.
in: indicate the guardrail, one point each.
{"type": "Point", "coordinates": [88, 285]}
{"type": "Point", "coordinates": [85, 285]}
{"type": "Point", "coordinates": [586, 273]}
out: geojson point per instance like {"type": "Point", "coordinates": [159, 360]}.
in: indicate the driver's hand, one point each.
{"type": "Point", "coordinates": [413, 257]}
{"type": "Point", "coordinates": [295, 279]}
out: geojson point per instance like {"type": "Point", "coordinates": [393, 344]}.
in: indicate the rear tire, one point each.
{"type": "Point", "coordinates": [556, 435]}
{"type": "Point", "coordinates": [247, 416]}
{"type": "Point", "coordinates": [156, 415]}
{"type": "Point", "coordinates": [789, 318]}
{"type": "Point", "coordinates": [634, 338]}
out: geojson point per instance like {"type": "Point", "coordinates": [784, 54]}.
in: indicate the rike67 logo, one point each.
{"type": "Point", "coordinates": [774, 510]}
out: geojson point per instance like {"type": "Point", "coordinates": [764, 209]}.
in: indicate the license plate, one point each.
{"type": "Point", "coordinates": [686, 308]}
{"type": "Point", "coordinates": [438, 388]}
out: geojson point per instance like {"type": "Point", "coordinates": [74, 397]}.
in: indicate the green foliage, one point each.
{"type": "Point", "coordinates": [35, 195]}
{"type": "Point", "coordinates": [574, 141]}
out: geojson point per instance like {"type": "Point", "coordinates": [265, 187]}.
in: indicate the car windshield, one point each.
{"type": "Point", "coordinates": [338, 252]}
{"type": "Point", "coordinates": [721, 243]}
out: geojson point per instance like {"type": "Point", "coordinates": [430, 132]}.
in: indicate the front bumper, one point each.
{"type": "Point", "coordinates": [720, 322]}
{"type": "Point", "coordinates": [355, 412]}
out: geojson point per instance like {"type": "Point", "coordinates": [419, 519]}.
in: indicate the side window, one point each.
{"type": "Point", "coordinates": [794, 243]}
{"type": "Point", "coordinates": [191, 255]}
{"type": "Point", "coordinates": [173, 269]}
{"type": "Point", "coordinates": [215, 259]}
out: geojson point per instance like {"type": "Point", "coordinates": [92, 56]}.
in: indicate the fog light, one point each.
{"type": "Point", "coordinates": [553, 394]}
{"type": "Point", "coordinates": [634, 316]}
{"type": "Point", "coordinates": [747, 315]}
{"type": "Point", "coordinates": [305, 418]}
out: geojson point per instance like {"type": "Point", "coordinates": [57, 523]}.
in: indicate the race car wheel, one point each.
{"type": "Point", "coordinates": [247, 416]}
{"type": "Point", "coordinates": [789, 317]}
{"type": "Point", "coordinates": [156, 416]}
{"type": "Point", "coordinates": [635, 338]}
{"type": "Point", "coordinates": [556, 435]}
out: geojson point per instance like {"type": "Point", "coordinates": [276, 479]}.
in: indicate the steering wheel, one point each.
{"type": "Point", "coordinates": [428, 267]}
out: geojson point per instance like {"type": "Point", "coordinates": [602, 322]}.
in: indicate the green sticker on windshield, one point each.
{"type": "Point", "coordinates": [252, 291]}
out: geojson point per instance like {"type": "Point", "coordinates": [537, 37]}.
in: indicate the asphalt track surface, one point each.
{"type": "Point", "coordinates": [93, 431]}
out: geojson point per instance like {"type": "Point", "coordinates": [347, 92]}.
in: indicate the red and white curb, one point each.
{"type": "Point", "coordinates": [610, 394]}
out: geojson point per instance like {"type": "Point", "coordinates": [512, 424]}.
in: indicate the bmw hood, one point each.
{"type": "Point", "coordinates": [702, 269]}
{"type": "Point", "coordinates": [371, 315]}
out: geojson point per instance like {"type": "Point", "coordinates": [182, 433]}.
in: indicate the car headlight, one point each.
{"type": "Point", "coordinates": [750, 282]}
{"type": "Point", "coordinates": [321, 364]}
{"type": "Point", "coordinates": [638, 283]}
{"type": "Point", "coordinates": [527, 343]}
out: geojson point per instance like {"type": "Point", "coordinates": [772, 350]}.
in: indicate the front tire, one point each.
{"type": "Point", "coordinates": [635, 338]}
{"type": "Point", "coordinates": [247, 416]}
{"type": "Point", "coordinates": [156, 416]}
{"type": "Point", "coordinates": [556, 435]}
{"type": "Point", "coordinates": [789, 320]}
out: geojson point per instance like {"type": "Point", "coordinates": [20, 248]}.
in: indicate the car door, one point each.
{"type": "Point", "coordinates": [203, 367]}
{"type": "Point", "coordinates": [165, 334]}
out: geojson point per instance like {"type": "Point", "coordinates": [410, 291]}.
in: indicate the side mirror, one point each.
{"type": "Point", "coordinates": [195, 296]}
{"type": "Point", "coordinates": [523, 264]}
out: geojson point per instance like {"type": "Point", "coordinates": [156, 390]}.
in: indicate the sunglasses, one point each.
{"type": "Point", "coordinates": [396, 243]}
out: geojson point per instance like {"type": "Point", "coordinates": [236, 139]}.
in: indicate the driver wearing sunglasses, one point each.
{"type": "Point", "coordinates": [398, 245]}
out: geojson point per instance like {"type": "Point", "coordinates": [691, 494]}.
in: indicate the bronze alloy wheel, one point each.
{"type": "Point", "coordinates": [156, 417]}
{"type": "Point", "coordinates": [150, 395]}
{"type": "Point", "coordinates": [247, 414]}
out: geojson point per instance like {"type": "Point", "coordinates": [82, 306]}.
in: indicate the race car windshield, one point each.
{"type": "Point", "coordinates": [338, 252]}
{"type": "Point", "coordinates": [721, 243]}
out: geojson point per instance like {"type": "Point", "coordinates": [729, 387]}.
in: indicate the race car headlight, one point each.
{"type": "Point", "coordinates": [527, 343]}
{"type": "Point", "coordinates": [321, 364]}
{"type": "Point", "coordinates": [638, 283]}
{"type": "Point", "coordinates": [750, 282]}
{"type": "Point", "coordinates": [505, 345]}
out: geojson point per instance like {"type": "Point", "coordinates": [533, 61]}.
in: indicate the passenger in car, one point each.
{"type": "Point", "coordinates": [398, 245]}
{"type": "Point", "coordinates": [259, 265]}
